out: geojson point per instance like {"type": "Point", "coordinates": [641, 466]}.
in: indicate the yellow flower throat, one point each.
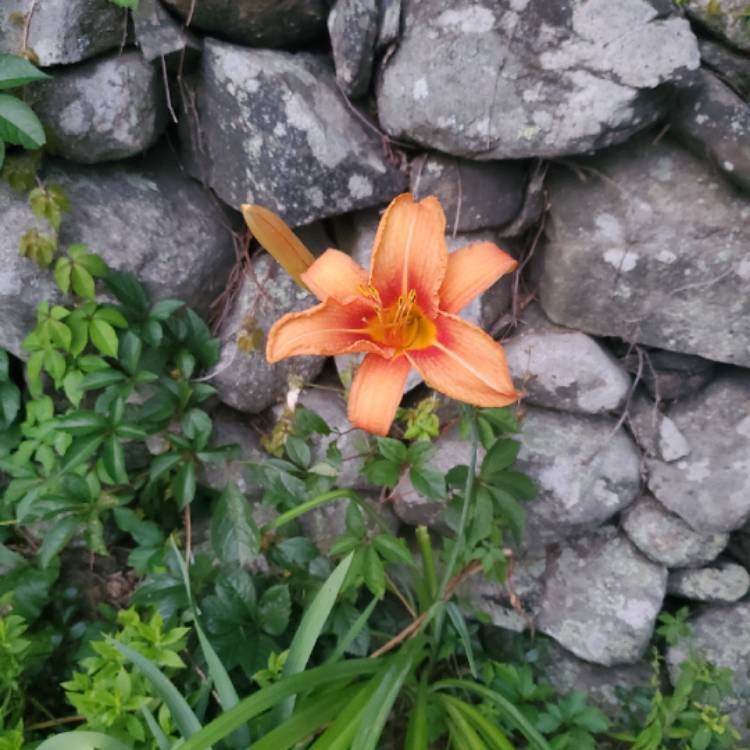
{"type": "Point", "coordinates": [401, 326]}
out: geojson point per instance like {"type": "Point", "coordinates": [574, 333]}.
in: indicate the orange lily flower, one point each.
{"type": "Point", "coordinates": [403, 314]}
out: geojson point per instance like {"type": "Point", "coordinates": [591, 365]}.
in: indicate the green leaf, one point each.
{"type": "Point", "coordinates": [298, 451]}
{"type": "Point", "coordinates": [274, 609]}
{"type": "Point", "coordinates": [165, 308]}
{"type": "Point", "coordinates": [502, 418]}
{"type": "Point", "coordinates": [392, 549]}
{"type": "Point", "coordinates": [186, 721]}
{"type": "Point", "coordinates": [130, 351]}
{"type": "Point", "coordinates": [382, 472]}
{"type": "Point", "coordinates": [10, 401]}
{"type": "Point", "coordinates": [17, 71]}
{"type": "Point", "coordinates": [197, 426]}
{"type": "Point", "coordinates": [511, 510]}
{"type": "Point", "coordinates": [103, 337]}
{"type": "Point", "coordinates": [515, 483]}
{"type": "Point", "coordinates": [183, 484]}
{"type": "Point", "coordinates": [63, 270]}
{"type": "Point", "coordinates": [374, 572]}
{"type": "Point", "coordinates": [163, 464]}
{"type": "Point", "coordinates": [355, 520]}
{"type": "Point", "coordinates": [417, 734]}
{"type": "Point", "coordinates": [308, 422]}
{"type": "Point", "coordinates": [102, 378]}
{"type": "Point", "coordinates": [18, 124]}
{"type": "Point", "coordinates": [82, 741]}
{"type": "Point", "coordinates": [2, 152]}
{"type": "Point", "coordinates": [311, 625]}
{"type": "Point", "coordinates": [82, 282]}
{"type": "Point", "coordinates": [80, 451]}
{"type": "Point", "coordinates": [128, 290]}
{"type": "Point", "coordinates": [72, 386]}
{"type": "Point", "coordinates": [113, 456]}
{"type": "Point", "coordinates": [428, 482]}
{"type": "Point", "coordinates": [459, 623]}
{"type": "Point", "coordinates": [392, 450]}
{"type": "Point", "coordinates": [56, 538]}
{"type": "Point", "coordinates": [234, 535]}
{"type": "Point", "coordinates": [502, 454]}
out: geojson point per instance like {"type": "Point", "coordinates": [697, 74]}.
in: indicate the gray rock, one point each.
{"type": "Point", "coordinates": [390, 23]}
{"type": "Point", "coordinates": [518, 78]}
{"type": "Point", "coordinates": [584, 472]}
{"type": "Point", "coordinates": [257, 23]}
{"type": "Point", "coordinates": [353, 27]}
{"type": "Point", "coordinates": [714, 122]}
{"type": "Point", "coordinates": [563, 369]}
{"type": "Point", "coordinates": [474, 195]}
{"type": "Point", "coordinates": [233, 428]}
{"type": "Point", "coordinates": [710, 488]}
{"type": "Point", "coordinates": [567, 674]}
{"type": "Point", "coordinates": [670, 375]}
{"type": "Point", "coordinates": [721, 582]}
{"type": "Point", "coordinates": [720, 635]}
{"type": "Point", "coordinates": [655, 432]}
{"type": "Point", "coordinates": [665, 538]}
{"type": "Point", "coordinates": [523, 589]}
{"type": "Point", "coordinates": [61, 31]}
{"type": "Point", "coordinates": [731, 67]}
{"type": "Point", "coordinates": [602, 598]}
{"type": "Point", "coordinates": [726, 19]}
{"type": "Point", "coordinates": [244, 379]}
{"type": "Point", "coordinates": [104, 109]}
{"type": "Point", "coordinates": [160, 35]}
{"type": "Point", "coordinates": [626, 259]}
{"type": "Point", "coordinates": [146, 218]}
{"type": "Point", "coordinates": [272, 128]}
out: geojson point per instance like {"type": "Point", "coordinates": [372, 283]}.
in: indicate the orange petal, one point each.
{"type": "Point", "coordinates": [376, 392]}
{"type": "Point", "coordinates": [472, 270]}
{"type": "Point", "coordinates": [335, 274]}
{"type": "Point", "coordinates": [466, 364]}
{"type": "Point", "coordinates": [278, 240]}
{"type": "Point", "coordinates": [410, 252]}
{"type": "Point", "coordinates": [326, 329]}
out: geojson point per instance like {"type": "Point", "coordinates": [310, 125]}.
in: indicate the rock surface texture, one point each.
{"type": "Point", "coordinates": [517, 78]}
{"type": "Point", "coordinates": [353, 27]}
{"type": "Point", "coordinates": [627, 259]}
{"type": "Point", "coordinates": [146, 218]}
{"type": "Point", "coordinates": [726, 19]}
{"type": "Point", "coordinates": [710, 487]}
{"type": "Point", "coordinates": [272, 128]}
{"type": "Point", "coordinates": [720, 582]}
{"type": "Point", "coordinates": [61, 31]}
{"type": "Point", "coordinates": [601, 599]}
{"type": "Point", "coordinates": [104, 109]}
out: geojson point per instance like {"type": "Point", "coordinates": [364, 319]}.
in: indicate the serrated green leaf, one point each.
{"type": "Point", "coordinates": [428, 482]}
{"type": "Point", "coordinates": [56, 538]}
{"type": "Point", "coordinates": [392, 450]}
{"type": "Point", "coordinates": [373, 571]}
{"type": "Point", "coordinates": [501, 454]}
{"type": "Point", "coordinates": [392, 549]}
{"type": "Point", "coordinates": [234, 535]}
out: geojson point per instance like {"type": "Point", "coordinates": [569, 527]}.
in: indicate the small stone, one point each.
{"type": "Point", "coordinates": [665, 538]}
{"type": "Point", "coordinates": [720, 635]}
{"type": "Point", "coordinates": [353, 27]}
{"type": "Point", "coordinates": [710, 487]}
{"type": "Point", "coordinates": [625, 259]}
{"type": "Point", "coordinates": [146, 218]}
{"type": "Point", "coordinates": [566, 673]}
{"type": "Point", "coordinates": [272, 128]}
{"type": "Point", "coordinates": [62, 31]}
{"type": "Point", "coordinates": [160, 35]}
{"type": "Point", "coordinates": [655, 432]}
{"type": "Point", "coordinates": [731, 67]}
{"type": "Point", "coordinates": [244, 379]}
{"type": "Point", "coordinates": [390, 23]}
{"type": "Point", "coordinates": [721, 582]}
{"type": "Point", "coordinates": [564, 369]}
{"type": "Point", "coordinates": [104, 109]}
{"type": "Point", "coordinates": [670, 375]}
{"type": "Point", "coordinates": [525, 585]}
{"type": "Point", "coordinates": [256, 23]}
{"type": "Point", "coordinates": [232, 428]}
{"type": "Point", "coordinates": [726, 19]}
{"type": "Point", "coordinates": [585, 472]}
{"type": "Point", "coordinates": [513, 79]}
{"type": "Point", "coordinates": [602, 598]}
{"type": "Point", "coordinates": [713, 121]}
{"type": "Point", "coordinates": [474, 195]}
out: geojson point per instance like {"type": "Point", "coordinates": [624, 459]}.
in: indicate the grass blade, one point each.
{"type": "Point", "coordinates": [459, 623]}
{"type": "Point", "coordinates": [469, 739]}
{"type": "Point", "coordinates": [352, 633]}
{"type": "Point", "coordinates": [310, 627]}
{"type": "Point", "coordinates": [416, 733]}
{"type": "Point", "coordinates": [82, 741]}
{"type": "Point", "coordinates": [481, 723]}
{"type": "Point", "coordinates": [268, 697]}
{"type": "Point", "coordinates": [186, 721]}
{"type": "Point", "coordinates": [156, 731]}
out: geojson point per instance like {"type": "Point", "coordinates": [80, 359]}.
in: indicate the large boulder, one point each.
{"type": "Point", "coordinates": [726, 19]}
{"type": "Point", "coordinates": [257, 23]}
{"type": "Point", "coordinates": [625, 258]}
{"type": "Point", "coordinates": [710, 487]}
{"type": "Point", "coordinates": [731, 67]}
{"type": "Point", "coordinates": [103, 109]}
{"type": "Point", "coordinates": [61, 32]}
{"type": "Point", "coordinates": [517, 78]}
{"type": "Point", "coordinates": [714, 121]}
{"type": "Point", "coordinates": [145, 217]}
{"type": "Point", "coordinates": [272, 128]}
{"type": "Point", "coordinates": [665, 538]}
{"type": "Point", "coordinates": [602, 598]}
{"type": "Point", "coordinates": [723, 581]}
{"type": "Point", "coordinates": [563, 369]}
{"type": "Point", "coordinates": [585, 471]}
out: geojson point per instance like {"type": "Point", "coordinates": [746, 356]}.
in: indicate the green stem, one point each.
{"type": "Point", "coordinates": [316, 502]}
{"type": "Point", "coordinates": [428, 562]}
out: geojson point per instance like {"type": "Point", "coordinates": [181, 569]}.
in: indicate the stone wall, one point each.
{"type": "Point", "coordinates": [607, 145]}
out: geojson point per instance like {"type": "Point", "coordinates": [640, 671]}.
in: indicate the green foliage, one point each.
{"type": "Point", "coordinates": [673, 628]}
